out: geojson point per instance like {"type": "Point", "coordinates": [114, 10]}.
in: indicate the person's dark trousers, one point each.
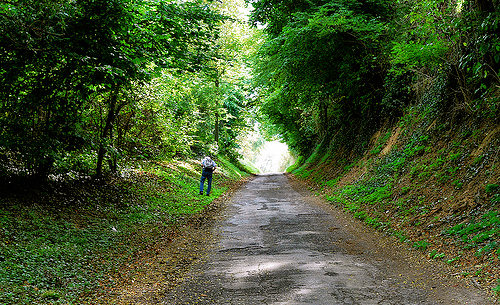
{"type": "Point", "coordinates": [206, 175]}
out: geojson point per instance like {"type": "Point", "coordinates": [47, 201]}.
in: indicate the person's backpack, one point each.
{"type": "Point", "coordinates": [208, 164]}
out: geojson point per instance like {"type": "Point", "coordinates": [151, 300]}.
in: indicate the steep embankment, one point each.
{"type": "Point", "coordinates": [68, 242]}
{"type": "Point", "coordinates": [432, 181]}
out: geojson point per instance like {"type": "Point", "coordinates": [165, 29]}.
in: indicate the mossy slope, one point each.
{"type": "Point", "coordinates": [432, 181]}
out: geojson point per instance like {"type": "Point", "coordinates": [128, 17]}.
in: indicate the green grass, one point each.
{"type": "Point", "coordinates": [496, 290]}
{"type": "Point", "coordinates": [298, 163]}
{"type": "Point", "coordinates": [353, 197]}
{"type": "Point", "coordinates": [332, 183]}
{"type": "Point", "coordinates": [481, 234]}
{"type": "Point", "coordinates": [421, 245]}
{"type": "Point", "coordinates": [60, 252]}
{"type": "Point", "coordinates": [453, 260]}
{"type": "Point", "coordinates": [492, 188]}
{"type": "Point", "coordinates": [494, 191]}
{"type": "Point", "coordinates": [399, 235]}
{"type": "Point", "coordinates": [434, 254]}
{"type": "Point", "coordinates": [303, 173]}
{"type": "Point", "coordinates": [348, 167]}
{"type": "Point", "coordinates": [365, 193]}
{"type": "Point", "coordinates": [46, 257]}
{"type": "Point", "coordinates": [381, 143]}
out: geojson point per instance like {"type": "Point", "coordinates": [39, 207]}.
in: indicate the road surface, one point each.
{"type": "Point", "coordinates": [277, 245]}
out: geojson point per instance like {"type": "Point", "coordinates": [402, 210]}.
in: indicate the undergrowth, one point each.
{"type": "Point", "coordinates": [481, 234]}
{"type": "Point", "coordinates": [61, 244]}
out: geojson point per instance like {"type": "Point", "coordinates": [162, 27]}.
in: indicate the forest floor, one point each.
{"type": "Point", "coordinates": [274, 242]}
{"type": "Point", "coordinates": [70, 242]}
{"type": "Point", "coordinates": [165, 265]}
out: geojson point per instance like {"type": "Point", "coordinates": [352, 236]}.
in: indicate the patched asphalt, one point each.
{"type": "Point", "coordinates": [274, 247]}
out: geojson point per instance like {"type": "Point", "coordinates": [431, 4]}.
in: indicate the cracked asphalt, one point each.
{"type": "Point", "coordinates": [277, 245]}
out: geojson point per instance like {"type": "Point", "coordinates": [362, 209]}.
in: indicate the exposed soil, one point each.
{"type": "Point", "coordinates": [392, 141]}
{"type": "Point", "coordinates": [438, 187]}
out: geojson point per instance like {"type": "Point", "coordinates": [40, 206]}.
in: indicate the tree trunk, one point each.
{"type": "Point", "coordinates": [486, 6]}
{"type": "Point", "coordinates": [107, 130]}
{"type": "Point", "coordinates": [113, 161]}
{"type": "Point", "coordinates": [323, 119]}
{"type": "Point", "coordinates": [216, 132]}
{"type": "Point", "coordinates": [43, 168]}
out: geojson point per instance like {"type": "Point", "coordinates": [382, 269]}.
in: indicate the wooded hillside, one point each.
{"type": "Point", "coordinates": [105, 107]}
{"type": "Point", "coordinates": [333, 72]}
{"type": "Point", "coordinates": [392, 108]}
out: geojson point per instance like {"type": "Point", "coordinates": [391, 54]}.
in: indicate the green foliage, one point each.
{"type": "Point", "coordinates": [398, 93]}
{"type": "Point", "coordinates": [492, 188]}
{"type": "Point", "coordinates": [317, 65]}
{"type": "Point", "coordinates": [434, 254]}
{"type": "Point", "coordinates": [480, 57]}
{"type": "Point", "coordinates": [428, 31]}
{"type": "Point", "coordinates": [421, 245]}
{"type": "Point", "coordinates": [494, 191]}
{"type": "Point", "coordinates": [374, 222]}
{"type": "Point", "coordinates": [497, 288]}
{"type": "Point", "coordinates": [416, 54]}
{"type": "Point", "coordinates": [402, 237]}
{"type": "Point", "coordinates": [82, 77]}
{"type": "Point", "coordinates": [302, 166]}
{"type": "Point", "coordinates": [381, 143]}
{"type": "Point", "coordinates": [350, 166]}
{"type": "Point", "coordinates": [46, 254]}
{"type": "Point", "coordinates": [319, 55]}
{"type": "Point", "coordinates": [354, 197]}
{"type": "Point", "coordinates": [457, 184]}
{"type": "Point", "coordinates": [61, 253]}
{"type": "Point", "coordinates": [424, 39]}
{"type": "Point", "coordinates": [481, 233]}
{"type": "Point", "coordinates": [377, 194]}
{"type": "Point", "coordinates": [332, 183]}
{"type": "Point", "coordinates": [303, 173]}
{"type": "Point", "coordinates": [298, 162]}
{"type": "Point", "coordinates": [453, 260]}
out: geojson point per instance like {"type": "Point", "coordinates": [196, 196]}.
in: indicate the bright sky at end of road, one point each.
{"type": "Point", "coordinates": [273, 157]}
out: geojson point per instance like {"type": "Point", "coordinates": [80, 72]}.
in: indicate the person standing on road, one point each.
{"type": "Point", "coordinates": [209, 167]}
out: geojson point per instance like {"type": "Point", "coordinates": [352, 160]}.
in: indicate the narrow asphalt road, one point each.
{"type": "Point", "coordinates": [275, 246]}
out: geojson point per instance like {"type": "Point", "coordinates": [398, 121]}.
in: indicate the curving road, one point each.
{"type": "Point", "coordinates": [276, 246]}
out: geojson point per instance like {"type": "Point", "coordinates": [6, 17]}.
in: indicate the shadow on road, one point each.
{"type": "Point", "coordinates": [277, 246]}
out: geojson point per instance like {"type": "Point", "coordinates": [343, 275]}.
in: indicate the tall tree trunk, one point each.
{"type": "Point", "coordinates": [216, 132]}
{"type": "Point", "coordinates": [486, 6]}
{"type": "Point", "coordinates": [43, 162]}
{"type": "Point", "coordinates": [107, 130]}
{"type": "Point", "coordinates": [323, 119]}
{"type": "Point", "coordinates": [113, 161]}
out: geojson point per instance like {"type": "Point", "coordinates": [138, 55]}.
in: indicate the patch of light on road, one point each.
{"type": "Point", "coordinates": [245, 270]}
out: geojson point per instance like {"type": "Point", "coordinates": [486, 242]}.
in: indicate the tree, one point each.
{"type": "Point", "coordinates": [223, 101]}
{"type": "Point", "coordinates": [451, 45]}
{"type": "Point", "coordinates": [59, 56]}
{"type": "Point", "coordinates": [322, 68]}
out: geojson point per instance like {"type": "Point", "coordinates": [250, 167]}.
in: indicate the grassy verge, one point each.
{"type": "Point", "coordinates": [61, 244]}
